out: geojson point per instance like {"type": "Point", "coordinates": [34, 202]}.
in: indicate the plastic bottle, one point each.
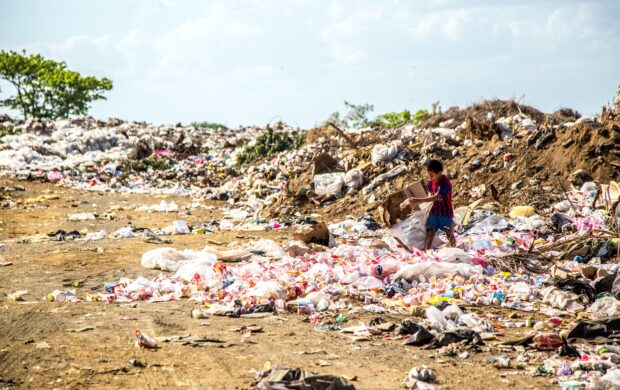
{"type": "Point", "coordinates": [376, 270]}
{"type": "Point", "coordinates": [145, 341]}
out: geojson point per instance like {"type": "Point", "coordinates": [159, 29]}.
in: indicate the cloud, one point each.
{"type": "Point", "coordinates": [247, 60]}
{"type": "Point", "coordinates": [203, 41]}
{"type": "Point", "coordinates": [130, 44]}
{"type": "Point", "coordinates": [446, 24]}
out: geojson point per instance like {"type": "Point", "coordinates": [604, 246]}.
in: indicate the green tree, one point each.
{"type": "Point", "coordinates": [356, 117]}
{"type": "Point", "coordinates": [46, 88]}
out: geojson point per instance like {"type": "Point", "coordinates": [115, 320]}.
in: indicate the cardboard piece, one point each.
{"type": "Point", "coordinates": [391, 206]}
{"type": "Point", "coordinates": [408, 226]}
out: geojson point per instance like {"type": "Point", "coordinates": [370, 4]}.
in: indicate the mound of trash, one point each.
{"type": "Point", "coordinates": [513, 152]}
{"type": "Point", "coordinates": [537, 227]}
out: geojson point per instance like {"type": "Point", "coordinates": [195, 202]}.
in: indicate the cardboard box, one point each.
{"type": "Point", "coordinates": [391, 206]}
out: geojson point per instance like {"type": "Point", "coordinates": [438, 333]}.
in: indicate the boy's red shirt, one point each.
{"type": "Point", "coordinates": [443, 205]}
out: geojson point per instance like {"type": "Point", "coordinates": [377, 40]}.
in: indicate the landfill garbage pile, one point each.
{"type": "Point", "coordinates": [500, 147]}
{"type": "Point", "coordinates": [537, 228]}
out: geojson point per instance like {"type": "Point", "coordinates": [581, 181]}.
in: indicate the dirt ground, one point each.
{"type": "Point", "coordinates": [98, 358]}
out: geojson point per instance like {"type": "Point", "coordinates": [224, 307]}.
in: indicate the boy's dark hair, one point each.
{"type": "Point", "coordinates": [434, 166]}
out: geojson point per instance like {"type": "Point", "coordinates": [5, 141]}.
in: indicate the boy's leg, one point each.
{"type": "Point", "coordinates": [451, 238]}
{"type": "Point", "coordinates": [428, 241]}
{"type": "Point", "coordinates": [432, 224]}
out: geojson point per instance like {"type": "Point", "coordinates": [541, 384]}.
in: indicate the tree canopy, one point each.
{"type": "Point", "coordinates": [47, 88]}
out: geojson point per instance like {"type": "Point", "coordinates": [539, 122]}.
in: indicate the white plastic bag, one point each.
{"type": "Point", "coordinates": [454, 255]}
{"type": "Point", "coordinates": [267, 290]}
{"type": "Point", "coordinates": [353, 180]}
{"type": "Point", "coordinates": [489, 224]}
{"type": "Point", "coordinates": [436, 318]}
{"type": "Point", "coordinates": [177, 227]}
{"type": "Point", "coordinates": [100, 235]}
{"type": "Point", "coordinates": [170, 259]}
{"type": "Point", "coordinates": [82, 217]}
{"type": "Point", "coordinates": [412, 231]}
{"type": "Point", "coordinates": [124, 232]}
{"type": "Point", "coordinates": [606, 307]}
{"type": "Point", "coordinates": [382, 152]}
{"type": "Point", "coordinates": [432, 268]}
{"type": "Point", "coordinates": [368, 283]}
{"type": "Point", "coordinates": [612, 377]}
{"type": "Point", "coordinates": [329, 184]}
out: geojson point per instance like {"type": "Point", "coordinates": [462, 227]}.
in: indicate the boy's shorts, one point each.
{"type": "Point", "coordinates": [438, 222]}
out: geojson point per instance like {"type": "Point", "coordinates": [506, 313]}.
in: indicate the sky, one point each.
{"type": "Point", "coordinates": [256, 61]}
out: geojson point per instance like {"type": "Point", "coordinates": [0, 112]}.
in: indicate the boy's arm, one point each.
{"type": "Point", "coordinates": [431, 198]}
{"type": "Point", "coordinates": [410, 201]}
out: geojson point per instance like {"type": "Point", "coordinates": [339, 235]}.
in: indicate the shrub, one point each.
{"type": "Point", "coordinates": [268, 144]}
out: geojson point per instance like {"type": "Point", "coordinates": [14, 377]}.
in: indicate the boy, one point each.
{"type": "Point", "coordinates": [442, 213]}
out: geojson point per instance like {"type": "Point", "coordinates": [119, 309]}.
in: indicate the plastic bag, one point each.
{"type": "Point", "coordinates": [436, 318]}
{"type": "Point", "coordinates": [368, 283]}
{"type": "Point", "coordinates": [562, 206]}
{"type": "Point", "coordinates": [431, 268]}
{"type": "Point", "coordinates": [170, 259]}
{"type": "Point", "coordinates": [561, 299]}
{"type": "Point", "coordinates": [82, 217]}
{"type": "Point", "coordinates": [489, 224]}
{"type": "Point", "coordinates": [587, 187]}
{"type": "Point", "coordinates": [612, 377]}
{"type": "Point", "coordinates": [100, 235]}
{"type": "Point", "coordinates": [528, 223]}
{"type": "Point", "coordinates": [412, 231]}
{"type": "Point", "coordinates": [382, 152]}
{"type": "Point", "coordinates": [269, 247]}
{"type": "Point", "coordinates": [177, 227]}
{"type": "Point", "coordinates": [140, 283]}
{"type": "Point", "coordinates": [202, 266]}
{"type": "Point", "coordinates": [353, 180]}
{"type": "Point", "coordinates": [329, 184]}
{"type": "Point", "coordinates": [454, 255]}
{"type": "Point", "coordinates": [125, 232]}
{"type": "Point", "coordinates": [397, 170]}
{"type": "Point", "coordinates": [267, 290]}
{"type": "Point", "coordinates": [606, 307]}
